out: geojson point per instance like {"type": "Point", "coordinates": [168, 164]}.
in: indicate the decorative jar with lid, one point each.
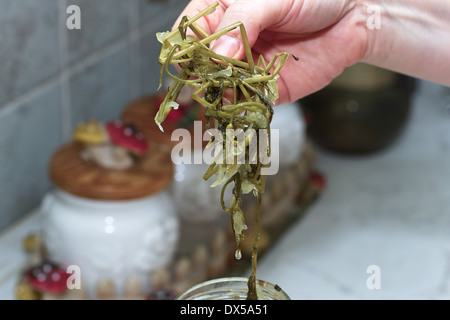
{"type": "Point", "coordinates": [116, 225]}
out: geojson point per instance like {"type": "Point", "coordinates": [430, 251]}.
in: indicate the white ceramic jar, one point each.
{"type": "Point", "coordinates": [288, 119]}
{"type": "Point", "coordinates": [196, 200]}
{"type": "Point", "coordinates": [197, 204]}
{"type": "Point", "coordinates": [115, 240]}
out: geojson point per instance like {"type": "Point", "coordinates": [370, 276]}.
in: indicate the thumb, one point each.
{"type": "Point", "coordinates": [255, 15]}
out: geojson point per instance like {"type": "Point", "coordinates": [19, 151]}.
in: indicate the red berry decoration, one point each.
{"type": "Point", "coordinates": [318, 180]}
{"type": "Point", "coordinates": [47, 277]}
{"type": "Point", "coordinates": [127, 136]}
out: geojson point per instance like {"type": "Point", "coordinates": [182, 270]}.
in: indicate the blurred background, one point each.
{"type": "Point", "coordinates": [381, 141]}
{"type": "Point", "coordinates": [53, 78]}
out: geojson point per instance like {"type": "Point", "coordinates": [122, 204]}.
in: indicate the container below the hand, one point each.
{"type": "Point", "coordinates": [232, 288]}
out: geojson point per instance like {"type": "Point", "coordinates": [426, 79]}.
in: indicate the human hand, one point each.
{"type": "Point", "coordinates": [326, 35]}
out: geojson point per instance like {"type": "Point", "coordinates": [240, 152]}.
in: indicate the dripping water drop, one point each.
{"type": "Point", "coordinates": [238, 254]}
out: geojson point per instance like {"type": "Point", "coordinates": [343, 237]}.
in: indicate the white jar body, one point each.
{"type": "Point", "coordinates": [288, 120]}
{"type": "Point", "coordinates": [114, 240]}
{"type": "Point", "coordinates": [196, 200]}
{"type": "Point", "coordinates": [198, 204]}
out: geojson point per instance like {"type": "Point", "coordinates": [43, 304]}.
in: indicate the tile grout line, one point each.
{"type": "Point", "coordinates": [152, 27]}
{"type": "Point", "coordinates": [11, 105]}
{"type": "Point", "coordinates": [67, 70]}
{"type": "Point", "coordinates": [159, 21]}
{"type": "Point", "coordinates": [137, 32]}
{"type": "Point", "coordinates": [134, 46]}
{"type": "Point", "coordinates": [66, 103]}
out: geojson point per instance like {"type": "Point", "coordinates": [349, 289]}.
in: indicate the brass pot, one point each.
{"type": "Point", "coordinates": [364, 110]}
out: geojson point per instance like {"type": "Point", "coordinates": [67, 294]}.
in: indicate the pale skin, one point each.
{"type": "Point", "coordinates": [330, 35]}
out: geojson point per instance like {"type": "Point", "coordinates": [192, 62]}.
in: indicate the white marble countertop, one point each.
{"type": "Point", "coordinates": [390, 210]}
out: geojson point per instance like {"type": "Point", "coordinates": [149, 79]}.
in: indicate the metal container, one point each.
{"type": "Point", "coordinates": [364, 110]}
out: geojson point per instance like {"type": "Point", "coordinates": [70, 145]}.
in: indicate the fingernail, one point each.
{"type": "Point", "coordinates": [226, 46]}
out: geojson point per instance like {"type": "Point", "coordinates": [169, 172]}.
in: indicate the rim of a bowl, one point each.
{"type": "Point", "coordinates": [214, 281]}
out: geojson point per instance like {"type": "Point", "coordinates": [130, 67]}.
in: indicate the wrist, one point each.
{"type": "Point", "coordinates": [369, 15]}
{"type": "Point", "coordinates": [381, 31]}
{"type": "Point", "coordinates": [408, 36]}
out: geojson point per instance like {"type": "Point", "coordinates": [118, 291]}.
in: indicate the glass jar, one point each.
{"type": "Point", "coordinates": [232, 288]}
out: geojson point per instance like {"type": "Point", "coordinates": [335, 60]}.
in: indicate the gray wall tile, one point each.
{"type": "Point", "coordinates": [101, 91]}
{"type": "Point", "coordinates": [28, 45]}
{"type": "Point", "coordinates": [150, 68]}
{"type": "Point", "coordinates": [30, 133]}
{"type": "Point", "coordinates": [102, 21]}
{"type": "Point", "coordinates": [100, 69]}
{"type": "Point", "coordinates": [167, 9]}
{"type": "Point", "coordinates": [163, 13]}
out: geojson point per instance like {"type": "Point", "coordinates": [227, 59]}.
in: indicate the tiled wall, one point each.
{"type": "Point", "coordinates": [52, 78]}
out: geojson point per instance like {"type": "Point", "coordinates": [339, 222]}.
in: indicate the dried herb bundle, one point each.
{"type": "Point", "coordinates": [249, 109]}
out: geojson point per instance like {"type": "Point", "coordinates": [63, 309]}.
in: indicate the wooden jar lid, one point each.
{"type": "Point", "coordinates": [68, 171]}
{"type": "Point", "coordinates": [141, 112]}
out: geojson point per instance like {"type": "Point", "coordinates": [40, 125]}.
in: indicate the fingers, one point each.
{"type": "Point", "coordinates": [256, 16]}
{"type": "Point", "coordinates": [208, 23]}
